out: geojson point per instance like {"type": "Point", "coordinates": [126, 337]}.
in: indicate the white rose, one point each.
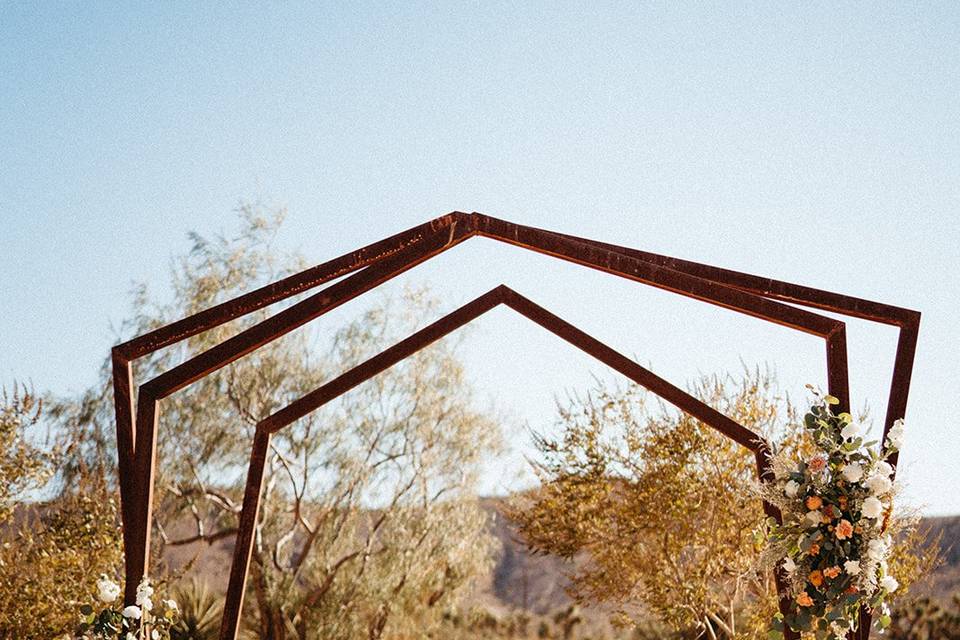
{"type": "Point", "coordinates": [876, 549]}
{"type": "Point", "coordinates": [853, 472]}
{"type": "Point", "coordinates": [883, 468]}
{"type": "Point", "coordinates": [850, 431]}
{"type": "Point", "coordinates": [107, 590]}
{"type": "Point", "coordinates": [895, 435]}
{"type": "Point", "coordinates": [872, 508]}
{"type": "Point", "coordinates": [852, 567]}
{"type": "Point", "coordinates": [889, 583]}
{"type": "Point", "coordinates": [789, 565]}
{"type": "Point", "coordinates": [133, 612]}
{"type": "Point", "coordinates": [878, 485]}
{"type": "Point", "coordinates": [791, 488]}
{"type": "Point", "coordinates": [814, 518]}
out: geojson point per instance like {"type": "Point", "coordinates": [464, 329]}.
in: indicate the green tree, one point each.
{"type": "Point", "coordinates": [369, 524]}
{"type": "Point", "coordinates": [51, 552]}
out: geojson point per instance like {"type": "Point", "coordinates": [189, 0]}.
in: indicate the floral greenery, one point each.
{"type": "Point", "coordinates": [835, 539]}
{"type": "Point", "coordinates": [132, 622]}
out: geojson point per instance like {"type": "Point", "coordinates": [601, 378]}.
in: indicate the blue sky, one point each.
{"type": "Point", "coordinates": [808, 142]}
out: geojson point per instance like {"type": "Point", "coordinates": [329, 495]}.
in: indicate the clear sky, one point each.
{"type": "Point", "coordinates": [805, 141]}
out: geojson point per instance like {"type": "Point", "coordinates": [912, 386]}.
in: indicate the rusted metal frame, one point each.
{"type": "Point", "coordinates": [284, 288]}
{"type": "Point", "coordinates": [717, 293]}
{"type": "Point", "coordinates": [123, 354]}
{"type": "Point", "coordinates": [240, 567]}
{"type": "Point", "coordinates": [152, 391]}
{"type": "Point", "coordinates": [836, 355]}
{"type": "Point", "coordinates": [418, 341]}
{"type": "Point", "coordinates": [906, 320]}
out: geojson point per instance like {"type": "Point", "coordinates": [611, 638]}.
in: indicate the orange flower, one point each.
{"type": "Point", "coordinates": [804, 600]}
{"type": "Point", "coordinates": [844, 530]}
{"type": "Point", "coordinates": [843, 502]}
{"type": "Point", "coordinates": [814, 502]}
{"type": "Point", "coordinates": [832, 572]}
{"type": "Point", "coordinates": [852, 589]}
{"type": "Point", "coordinates": [814, 549]}
{"type": "Point", "coordinates": [829, 513]}
{"type": "Point", "coordinates": [817, 464]}
{"type": "Point", "coordinates": [816, 578]}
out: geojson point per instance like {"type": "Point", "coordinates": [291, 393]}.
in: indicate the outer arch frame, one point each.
{"type": "Point", "coordinates": [726, 284]}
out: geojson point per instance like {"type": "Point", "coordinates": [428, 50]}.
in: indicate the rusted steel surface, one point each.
{"type": "Point", "coordinates": [240, 566]}
{"type": "Point", "coordinates": [378, 262]}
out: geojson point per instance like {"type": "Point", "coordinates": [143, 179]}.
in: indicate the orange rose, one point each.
{"type": "Point", "coordinates": [844, 530]}
{"type": "Point", "coordinates": [852, 589]}
{"type": "Point", "coordinates": [804, 600]}
{"type": "Point", "coordinates": [814, 502]}
{"type": "Point", "coordinates": [816, 578]}
{"type": "Point", "coordinates": [832, 572]}
{"type": "Point", "coordinates": [817, 464]}
{"type": "Point", "coordinates": [814, 549]}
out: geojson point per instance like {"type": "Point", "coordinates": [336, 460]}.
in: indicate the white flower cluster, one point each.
{"type": "Point", "coordinates": [108, 591]}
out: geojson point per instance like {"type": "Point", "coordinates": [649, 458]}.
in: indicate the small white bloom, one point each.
{"type": "Point", "coordinates": [876, 549]}
{"type": "Point", "coordinates": [884, 469]}
{"type": "Point", "coordinates": [172, 605]}
{"type": "Point", "coordinates": [155, 634]}
{"type": "Point", "coordinates": [850, 431]}
{"type": "Point", "coordinates": [852, 567]}
{"type": "Point", "coordinates": [789, 565]}
{"type": "Point", "coordinates": [144, 591]}
{"type": "Point", "coordinates": [872, 508]}
{"type": "Point", "coordinates": [791, 489]}
{"type": "Point", "coordinates": [853, 472]}
{"type": "Point", "coordinates": [878, 484]}
{"type": "Point", "coordinates": [895, 435]}
{"type": "Point", "coordinates": [147, 605]}
{"type": "Point", "coordinates": [130, 636]}
{"type": "Point", "coordinates": [107, 590]}
{"type": "Point", "coordinates": [133, 612]}
{"type": "Point", "coordinates": [814, 518]}
{"type": "Point", "coordinates": [889, 583]}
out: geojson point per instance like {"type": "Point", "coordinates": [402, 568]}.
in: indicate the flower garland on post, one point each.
{"type": "Point", "coordinates": [837, 517]}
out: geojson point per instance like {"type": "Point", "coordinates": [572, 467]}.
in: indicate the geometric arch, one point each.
{"type": "Point", "coordinates": [501, 295]}
{"type": "Point", "coordinates": [366, 268]}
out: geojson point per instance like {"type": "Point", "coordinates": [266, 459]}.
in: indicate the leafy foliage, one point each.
{"type": "Point", "coordinates": [662, 512]}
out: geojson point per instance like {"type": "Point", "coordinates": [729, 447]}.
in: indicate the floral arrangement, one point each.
{"type": "Point", "coordinates": [132, 622]}
{"type": "Point", "coordinates": [837, 518]}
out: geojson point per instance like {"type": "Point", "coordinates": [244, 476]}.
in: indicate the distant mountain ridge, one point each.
{"type": "Point", "coordinates": [538, 583]}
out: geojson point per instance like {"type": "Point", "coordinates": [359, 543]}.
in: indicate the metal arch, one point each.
{"type": "Point", "coordinates": [726, 288]}
{"type": "Point", "coordinates": [373, 366]}
{"type": "Point", "coordinates": [459, 228]}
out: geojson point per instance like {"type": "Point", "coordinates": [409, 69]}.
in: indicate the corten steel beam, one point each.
{"type": "Point", "coordinates": [906, 320]}
{"type": "Point", "coordinates": [537, 240]}
{"type": "Point", "coordinates": [418, 341]}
